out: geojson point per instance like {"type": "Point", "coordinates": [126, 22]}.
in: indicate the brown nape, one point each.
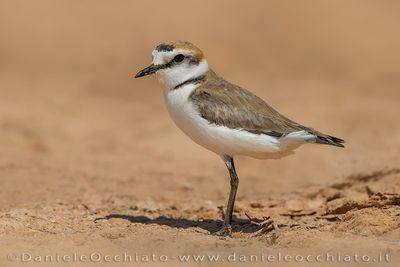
{"type": "Point", "coordinates": [226, 104]}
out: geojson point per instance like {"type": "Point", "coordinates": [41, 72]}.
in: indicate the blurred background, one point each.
{"type": "Point", "coordinates": [73, 120]}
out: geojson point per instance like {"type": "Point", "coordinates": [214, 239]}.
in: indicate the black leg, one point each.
{"type": "Point", "coordinates": [226, 229]}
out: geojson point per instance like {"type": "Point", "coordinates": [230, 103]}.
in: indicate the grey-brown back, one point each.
{"type": "Point", "coordinates": [225, 104]}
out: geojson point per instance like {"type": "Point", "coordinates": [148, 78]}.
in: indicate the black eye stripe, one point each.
{"type": "Point", "coordinates": [178, 59]}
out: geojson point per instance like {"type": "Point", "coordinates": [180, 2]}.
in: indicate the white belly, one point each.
{"type": "Point", "coordinates": [223, 140]}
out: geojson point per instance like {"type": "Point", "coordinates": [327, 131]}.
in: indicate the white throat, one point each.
{"type": "Point", "coordinates": [171, 77]}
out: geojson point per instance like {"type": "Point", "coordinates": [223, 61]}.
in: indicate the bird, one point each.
{"type": "Point", "coordinates": [223, 117]}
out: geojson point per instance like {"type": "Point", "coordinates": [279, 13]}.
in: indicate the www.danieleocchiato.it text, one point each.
{"type": "Point", "coordinates": [214, 257]}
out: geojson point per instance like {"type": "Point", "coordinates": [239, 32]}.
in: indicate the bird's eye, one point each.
{"type": "Point", "coordinates": [179, 58]}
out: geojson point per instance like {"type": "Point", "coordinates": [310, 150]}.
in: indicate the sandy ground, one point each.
{"type": "Point", "coordinates": [90, 162]}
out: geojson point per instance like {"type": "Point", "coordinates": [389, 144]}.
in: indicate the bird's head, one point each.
{"type": "Point", "coordinates": [176, 62]}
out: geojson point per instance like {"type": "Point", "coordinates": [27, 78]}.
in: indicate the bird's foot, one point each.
{"type": "Point", "coordinates": [266, 225]}
{"type": "Point", "coordinates": [226, 230]}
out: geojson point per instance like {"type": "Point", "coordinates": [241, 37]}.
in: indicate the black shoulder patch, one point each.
{"type": "Point", "coordinates": [165, 48]}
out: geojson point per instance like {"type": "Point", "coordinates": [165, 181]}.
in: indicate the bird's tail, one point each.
{"type": "Point", "coordinates": [329, 140]}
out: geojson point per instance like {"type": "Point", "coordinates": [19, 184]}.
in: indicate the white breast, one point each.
{"type": "Point", "coordinates": [223, 140]}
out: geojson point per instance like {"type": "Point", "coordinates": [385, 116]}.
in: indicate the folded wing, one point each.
{"type": "Point", "coordinates": [226, 104]}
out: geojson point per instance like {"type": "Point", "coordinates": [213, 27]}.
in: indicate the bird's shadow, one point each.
{"type": "Point", "coordinates": [212, 226]}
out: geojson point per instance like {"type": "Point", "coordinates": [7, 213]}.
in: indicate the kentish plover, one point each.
{"type": "Point", "coordinates": [223, 117]}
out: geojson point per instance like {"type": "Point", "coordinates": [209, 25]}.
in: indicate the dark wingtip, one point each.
{"type": "Point", "coordinates": [330, 140]}
{"type": "Point", "coordinates": [339, 145]}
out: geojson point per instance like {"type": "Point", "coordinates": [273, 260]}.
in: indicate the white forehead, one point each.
{"type": "Point", "coordinates": [163, 57]}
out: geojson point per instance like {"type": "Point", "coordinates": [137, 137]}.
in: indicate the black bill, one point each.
{"type": "Point", "coordinates": [147, 71]}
